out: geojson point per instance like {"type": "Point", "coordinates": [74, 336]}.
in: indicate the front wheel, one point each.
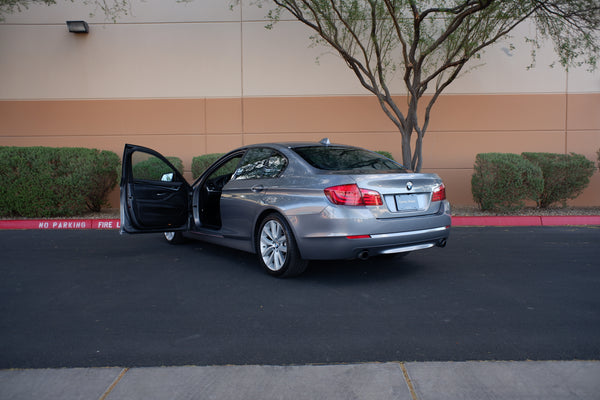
{"type": "Point", "coordinates": [277, 249]}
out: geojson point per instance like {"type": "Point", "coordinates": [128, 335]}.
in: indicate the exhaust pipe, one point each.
{"type": "Point", "coordinates": [441, 243]}
{"type": "Point", "coordinates": [363, 255]}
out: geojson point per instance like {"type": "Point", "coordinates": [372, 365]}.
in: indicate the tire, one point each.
{"type": "Point", "coordinates": [174, 237]}
{"type": "Point", "coordinates": [276, 248]}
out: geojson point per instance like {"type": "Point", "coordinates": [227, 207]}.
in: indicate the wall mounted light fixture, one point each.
{"type": "Point", "coordinates": [78, 26]}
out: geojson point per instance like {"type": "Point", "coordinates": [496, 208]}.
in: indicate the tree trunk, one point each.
{"type": "Point", "coordinates": [406, 151]}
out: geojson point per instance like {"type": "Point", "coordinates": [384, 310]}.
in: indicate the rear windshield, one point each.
{"type": "Point", "coordinates": [332, 158]}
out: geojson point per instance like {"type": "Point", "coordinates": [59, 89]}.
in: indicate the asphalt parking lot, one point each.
{"type": "Point", "coordinates": [499, 313]}
{"type": "Point", "coordinates": [97, 299]}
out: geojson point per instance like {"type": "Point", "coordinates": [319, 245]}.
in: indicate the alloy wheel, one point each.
{"type": "Point", "coordinates": [273, 245]}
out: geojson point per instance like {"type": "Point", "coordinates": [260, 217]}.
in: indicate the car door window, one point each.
{"type": "Point", "coordinates": [219, 177]}
{"type": "Point", "coordinates": [147, 167]}
{"type": "Point", "coordinates": [261, 163]}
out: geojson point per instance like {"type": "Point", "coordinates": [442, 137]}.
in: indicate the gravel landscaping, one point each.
{"type": "Point", "coordinates": [527, 211]}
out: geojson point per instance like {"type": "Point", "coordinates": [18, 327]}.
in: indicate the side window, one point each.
{"type": "Point", "coordinates": [261, 163]}
{"type": "Point", "coordinates": [220, 176]}
{"type": "Point", "coordinates": [148, 167]}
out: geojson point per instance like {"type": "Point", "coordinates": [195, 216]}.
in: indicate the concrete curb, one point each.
{"type": "Point", "coordinates": [543, 380]}
{"type": "Point", "coordinates": [114, 223]}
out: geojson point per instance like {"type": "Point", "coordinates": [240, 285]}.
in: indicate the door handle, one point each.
{"type": "Point", "coordinates": [167, 193]}
{"type": "Point", "coordinates": [257, 188]}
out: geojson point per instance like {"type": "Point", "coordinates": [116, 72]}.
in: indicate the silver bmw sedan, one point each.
{"type": "Point", "coordinates": [288, 203]}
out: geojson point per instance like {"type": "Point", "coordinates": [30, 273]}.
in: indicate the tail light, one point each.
{"type": "Point", "coordinates": [352, 195]}
{"type": "Point", "coordinates": [439, 193]}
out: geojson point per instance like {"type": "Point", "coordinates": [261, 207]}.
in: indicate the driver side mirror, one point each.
{"type": "Point", "coordinates": [167, 177]}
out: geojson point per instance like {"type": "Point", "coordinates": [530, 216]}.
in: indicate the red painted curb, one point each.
{"type": "Point", "coordinates": [60, 224]}
{"type": "Point", "coordinates": [496, 221]}
{"type": "Point", "coordinates": [559, 220]}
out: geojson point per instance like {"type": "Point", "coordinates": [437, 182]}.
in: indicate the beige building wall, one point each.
{"type": "Point", "coordinates": [195, 78]}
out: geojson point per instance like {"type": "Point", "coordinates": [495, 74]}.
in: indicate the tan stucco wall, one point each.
{"type": "Point", "coordinates": [462, 126]}
{"type": "Point", "coordinates": [202, 49]}
{"type": "Point", "coordinates": [194, 78]}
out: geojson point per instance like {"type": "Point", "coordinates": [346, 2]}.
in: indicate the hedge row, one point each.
{"type": "Point", "coordinates": [51, 182]}
{"type": "Point", "coordinates": [503, 181]}
{"type": "Point", "coordinates": [201, 163]}
{"type": "Point", "coordinates": [153, 168]}
{"type": "Point", "coordinates": [565, 176]}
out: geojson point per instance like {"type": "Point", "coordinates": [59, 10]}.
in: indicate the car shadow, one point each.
{"type": "Point", "coordinates": [332, 271]}
{"type": "Point", "coordinates": [358, 271]}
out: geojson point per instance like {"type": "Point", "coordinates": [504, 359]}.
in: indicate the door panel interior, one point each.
{"type": "Point", "coordinates": [154, 195]}
{"type": "Point", "coordinates": [161, 205]}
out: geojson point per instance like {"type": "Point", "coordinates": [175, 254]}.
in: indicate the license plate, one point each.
{"type": "Point", "coordinates": [406, 202]}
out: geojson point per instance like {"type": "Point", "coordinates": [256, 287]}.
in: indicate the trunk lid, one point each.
{"type": "Point", "coordinates": [403, 195]}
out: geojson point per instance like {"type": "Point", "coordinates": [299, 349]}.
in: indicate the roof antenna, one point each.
{"type": "Point", "coordinates": [325, 141]}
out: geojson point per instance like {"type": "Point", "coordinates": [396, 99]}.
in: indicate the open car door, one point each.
{"type": "Point", "coordinates": [154, 195]}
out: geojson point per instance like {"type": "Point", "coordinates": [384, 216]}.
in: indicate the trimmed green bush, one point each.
{"type": "Point", "coordinates": [51, 182]}
{"type": "Point", "coordinates": [103, 173]}
{"type": "Point", "coordinates": [565, 176]}
{"type": "Point", "coordinates": [201, 163]}
{"type": "Point", "coordinates": [153, 168]}
{"type": "Point", "coordinates": [502, 181]}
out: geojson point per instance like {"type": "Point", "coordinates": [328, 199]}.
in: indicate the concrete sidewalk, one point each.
{"type": "Point", "coordinates": [407, 381]}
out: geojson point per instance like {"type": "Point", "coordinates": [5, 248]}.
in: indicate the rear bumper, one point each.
{"type": "Point", "coordinates": [333, 248]}
{"type": "Point", "coordinates": [349, 238]}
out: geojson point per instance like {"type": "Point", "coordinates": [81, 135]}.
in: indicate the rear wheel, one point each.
{"type": "Point", "coordinates": [276, 248]}
{"type": "Point", "coordinates": [174, 237]}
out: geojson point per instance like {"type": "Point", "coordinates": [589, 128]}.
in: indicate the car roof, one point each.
{"type": "Point", "coordinates": [291, 145]}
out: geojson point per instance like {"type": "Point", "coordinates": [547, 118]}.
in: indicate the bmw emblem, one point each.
{"type": "Point", "coordinates": [409, 185]}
